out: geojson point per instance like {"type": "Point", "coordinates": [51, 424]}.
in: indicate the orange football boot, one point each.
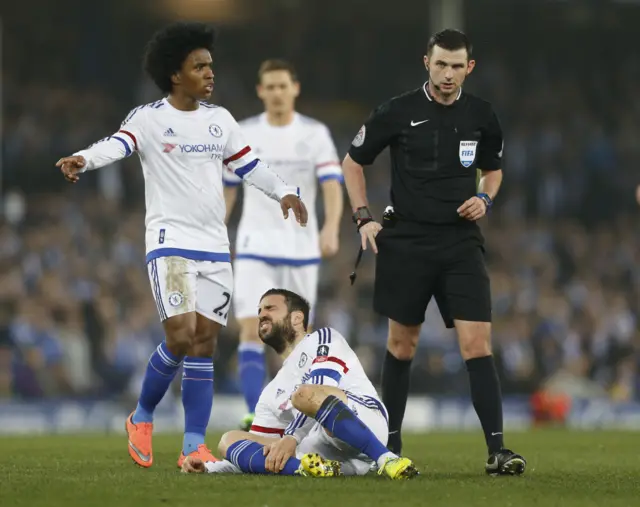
{"type": "Point", "coordinates": [203, 453]}
{"type": "Point", "coordinates": [140, 442]}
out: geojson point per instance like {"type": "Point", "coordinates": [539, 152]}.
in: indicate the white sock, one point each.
{"type": "Point", "coordinates": [221, 467]}
{"type": "Point", "coordinates": [385, 457]}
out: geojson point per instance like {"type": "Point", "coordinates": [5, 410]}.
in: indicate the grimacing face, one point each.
{"type": "Point", "coordinates": [278, 91]}
{"type": "Point", "coordinates": [274, 323]}
{"type": "Point", "coordinates": [448, 69]}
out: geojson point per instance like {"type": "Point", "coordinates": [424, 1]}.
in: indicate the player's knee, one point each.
{"type": "Point", "coordinates": [203, 344]}
{"type": "Point", "coordinates": [179, 335]}
{"type": "Point", "coordinates": [204, 340]}
{"type": "Point", "coordinates": [305, 399]}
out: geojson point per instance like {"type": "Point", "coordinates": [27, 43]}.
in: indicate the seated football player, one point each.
{"type": "Point", "coordinates": [320, 416]}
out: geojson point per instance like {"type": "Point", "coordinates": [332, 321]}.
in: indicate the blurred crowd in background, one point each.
{"type": "Point", "coordinates": [77, 316]}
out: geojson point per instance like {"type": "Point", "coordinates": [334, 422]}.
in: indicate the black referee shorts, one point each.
{"type": "Point", "coordinates": [416, 262]}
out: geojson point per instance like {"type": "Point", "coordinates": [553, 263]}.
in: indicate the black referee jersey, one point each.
{"type": "Point", "coordinates": [435, 151]}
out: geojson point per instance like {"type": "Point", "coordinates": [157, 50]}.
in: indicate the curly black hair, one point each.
{"type": "Point", "coordinates": [169, 47]}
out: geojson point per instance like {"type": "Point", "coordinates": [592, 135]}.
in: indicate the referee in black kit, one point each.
{"type": "Point", "coordinates": [430, 244]}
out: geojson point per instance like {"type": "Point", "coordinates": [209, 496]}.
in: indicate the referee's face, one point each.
{"type": "Point", "coordinates": [448, 69]}
{"type": "Point", "coordinates": [278, 91]}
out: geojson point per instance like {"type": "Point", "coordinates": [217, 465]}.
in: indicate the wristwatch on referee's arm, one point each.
{"type": "Point", "coordinates": [487, 200]}
{"type": "Point", "coordinates": [362, 216]}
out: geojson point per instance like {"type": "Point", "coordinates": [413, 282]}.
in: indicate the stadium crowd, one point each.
{"type": "Point", "coordinates": [77, 317]}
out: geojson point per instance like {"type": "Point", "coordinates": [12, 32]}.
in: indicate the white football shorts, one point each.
{"type": "Point", "coordinates": [254, 277]}
{"type": "Point", "coordinates": [182, 285]}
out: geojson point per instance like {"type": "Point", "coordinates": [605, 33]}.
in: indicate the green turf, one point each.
{"type": "Point", "coordinates": [565, 469]}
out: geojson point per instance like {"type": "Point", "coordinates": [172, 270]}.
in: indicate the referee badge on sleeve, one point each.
{"type": "Point", "coordinates": [467, 152]}
{"type": "Point", "coordinates": [359, 139]}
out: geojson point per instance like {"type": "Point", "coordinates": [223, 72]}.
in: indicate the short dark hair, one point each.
{"type": "Point", "coordinates": [451, 40]}
{"type": "Point", "coordinates": [277, 64]}
{"type": "Point", "coordinates": [295, 302]}
{"type": "Point", "coordinates": [169, 47]}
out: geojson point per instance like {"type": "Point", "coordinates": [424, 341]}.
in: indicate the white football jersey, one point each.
{"type": "Point", "coordinates": [322, 357]}
{"type": "Point", "coordinates": [302, 151]}
{"type": "Point", "coordinates": [183, 154]}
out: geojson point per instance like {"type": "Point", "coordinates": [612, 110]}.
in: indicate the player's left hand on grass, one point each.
{"type": "Point", "coordinates": [294, 203]}
{"type": "Point", "coordinates": [71, 166]}
{"type": "Point", "coordinates": [193, 465]}
{"type": "Point", "coordinates": [473, 209]}
{"type": "Point", "coordinates": [329, 241]}
{"type": "Point", "coordinates": [279, 452]}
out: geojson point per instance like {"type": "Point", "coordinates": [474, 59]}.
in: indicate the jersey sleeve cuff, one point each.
{"type": "Point", "coordinates": [287, 190]}
{"type": "Point", "coordinates": [328, 177]}
{"type": "Point", "coordinates": [87, 166]}
{"type": "Point", "coordinates": [297, 438]}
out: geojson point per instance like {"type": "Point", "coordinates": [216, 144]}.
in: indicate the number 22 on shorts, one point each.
{"type": "Point", "coordinates": [222, 310]}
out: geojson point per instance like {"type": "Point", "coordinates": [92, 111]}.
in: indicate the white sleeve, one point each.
{"type": "Point", "coordinates": [326, 159]}
{"type": "Point", "coordinates": [240, 159]}
{"type": "Point", "coordinates": [117, 146]}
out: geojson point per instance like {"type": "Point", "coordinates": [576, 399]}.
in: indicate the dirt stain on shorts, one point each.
{"type": "Point", "coordinates": [177, 286]}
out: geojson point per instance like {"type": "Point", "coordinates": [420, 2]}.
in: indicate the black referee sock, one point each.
{"type": "Point", "coordinates": [487, 399]}
{"type": "Point", "coordinates": [395, 391]}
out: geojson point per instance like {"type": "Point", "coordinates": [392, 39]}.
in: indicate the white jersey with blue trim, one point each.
{"type": "Point", "coordinates": [183, 156]}
{"type": "Point", "coordinates": [301, 151]}
{"type": "Point", "coordinates": [321, 358]}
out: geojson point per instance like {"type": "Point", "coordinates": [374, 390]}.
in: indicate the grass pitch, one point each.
{"type": "Point", "coordinates": [564, 469]}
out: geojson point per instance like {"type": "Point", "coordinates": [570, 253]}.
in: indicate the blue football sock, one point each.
{"type": "Point", "coordinates": [197, 400]}
{"type": "Point", "coordinates": [340, 420]}
{"type": "Point", "coordinates": [251, 369]}
{"type": "Point", "coordinates": [161, 370]}
{"type": "Point", "coordinates": [249, 457]}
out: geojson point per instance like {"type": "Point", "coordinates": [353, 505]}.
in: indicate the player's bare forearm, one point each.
{"type": "Point", "coordinates": [333, 207]}
{"type": "Point", "coordinates": [230, 197]}
{"type": "Point", "coordinates": [333, 204]}
{"type": "Point", "coordinates": [490, 182]}
{"type": "Point", "coordinates": [355, 182]}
